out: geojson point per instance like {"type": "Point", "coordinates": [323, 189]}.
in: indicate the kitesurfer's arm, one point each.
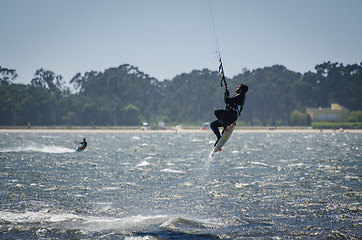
{"type": "Point", "coordinates": [226, 96]}
{"type": "Point", "coordinates": [228, 99]}
{"type": "Point", "coordinates": [238, 99]}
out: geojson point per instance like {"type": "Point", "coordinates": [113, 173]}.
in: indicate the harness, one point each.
{"type": "Point", "coordinates": [234, 107]}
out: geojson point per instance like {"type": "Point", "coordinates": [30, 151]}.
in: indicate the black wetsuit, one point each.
{"type": "Point", "coordinates": [234, 106]}
{"type": "Point", "coordinates": [83, 146]}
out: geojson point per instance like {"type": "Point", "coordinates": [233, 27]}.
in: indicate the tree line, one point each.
{"type": "Point", "coordinates": [125, 96]}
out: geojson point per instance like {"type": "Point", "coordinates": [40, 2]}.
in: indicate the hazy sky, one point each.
{"type": "Point", "coordinates": [164, 38]}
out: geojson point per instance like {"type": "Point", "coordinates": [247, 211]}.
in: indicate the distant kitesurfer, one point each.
{"type": "Point", "coordinates": [234, 106]}
{"type": "Point", "coordinates": [82, 146]}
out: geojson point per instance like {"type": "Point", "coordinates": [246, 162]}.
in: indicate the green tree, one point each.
{"type": "Point", "coordinates": [7, 75]}
{"type": "Point", "coordinates": [299, 119]}
{"type": "Point", "coordinates": [131, 115]}
{"type": "Point", "coordinates": [192, 97]}
{"type": "Point", "coordinates": [355, 116]}
{"type": "Point", "coordinates": [271, 96]}
{"type": "Point", "coordinates": [341, 84]}
{"type": "Point", "coordinates": [48, 79]}
{"type": "Point", "coordinates": [124, 95]}
{"type": "Point", "coordinates": [308, 91]}
{"type": "Point", "coordinates": [80, 82]}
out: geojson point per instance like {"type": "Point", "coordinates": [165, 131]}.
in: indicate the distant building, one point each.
{"type": "Point", "coordinates": [336, 113]}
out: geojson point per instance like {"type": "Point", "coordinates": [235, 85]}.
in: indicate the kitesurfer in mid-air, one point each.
{"type": "Point", "coordinates": [82, 146]}
{"type": "Point", "coordinates": [234, 106]}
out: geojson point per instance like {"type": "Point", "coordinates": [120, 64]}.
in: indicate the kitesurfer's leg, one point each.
{"type": "Point", "coordinates": [229, 117]}
{"type": "Point", "coordinates": [224, 118]}
{"type": "Point", "coordinates": [220, 114]}
{"type": "Point", "coordinates": [215, 128]}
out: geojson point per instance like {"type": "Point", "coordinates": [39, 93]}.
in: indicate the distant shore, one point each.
{"type": "Point", "coordinates": [158, 129]}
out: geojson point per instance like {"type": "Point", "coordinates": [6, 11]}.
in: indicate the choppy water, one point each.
{"type": "Point", "coordinates": [164, 185]}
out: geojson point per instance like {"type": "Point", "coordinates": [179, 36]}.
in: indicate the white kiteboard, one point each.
{"type": "Point", "coordinates": [224, 138]}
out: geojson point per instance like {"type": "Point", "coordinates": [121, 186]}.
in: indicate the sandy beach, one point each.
{"type": "Point", "coordinates": [166, 129]}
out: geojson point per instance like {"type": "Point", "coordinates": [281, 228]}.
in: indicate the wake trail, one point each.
{"type": "Point", "coordinates": [44, 149]}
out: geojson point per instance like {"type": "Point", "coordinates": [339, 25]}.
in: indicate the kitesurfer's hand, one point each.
{"type": "Point", "coordinates": [227, 94]}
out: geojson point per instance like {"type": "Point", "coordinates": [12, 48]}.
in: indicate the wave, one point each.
{"type": "Point", "coordinates": [260, 164]}
{"type": "Point", "coordinates": [90, 223]}
{"type": "Point", "coordinates": [169, 170]}
{"type": "Point", "coordinates": [130, 227]}
{"type": "Point", "coordinates": [242, 185]}
{"type": "Point", "coordinates": [144, 163]}
{"type": "Point", "coordinates": [142, 223]}
{"type": "Point", "coordinates": [36, 217]}
{"type": "Point", "coordinates": [130, 223]}
{"type": "Point", "coordinates": [44, 149]}
{"type": "Point", "coordinates": [181, 223]}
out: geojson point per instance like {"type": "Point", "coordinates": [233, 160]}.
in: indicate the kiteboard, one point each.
{"type": "Point", "coordinates": [79, 149]}
{"type": "Point", "coordinates": [224, 138]}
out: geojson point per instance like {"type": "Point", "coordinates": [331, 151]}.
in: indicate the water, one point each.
{"type": "Point", "coordinates": [151, 185]}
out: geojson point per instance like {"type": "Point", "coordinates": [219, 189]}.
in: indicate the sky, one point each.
{"type": "Point", "coordinates": [165, 38]}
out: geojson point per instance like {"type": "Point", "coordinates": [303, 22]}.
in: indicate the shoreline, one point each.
{"type": "Point", "coordinates": [166, 129]}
